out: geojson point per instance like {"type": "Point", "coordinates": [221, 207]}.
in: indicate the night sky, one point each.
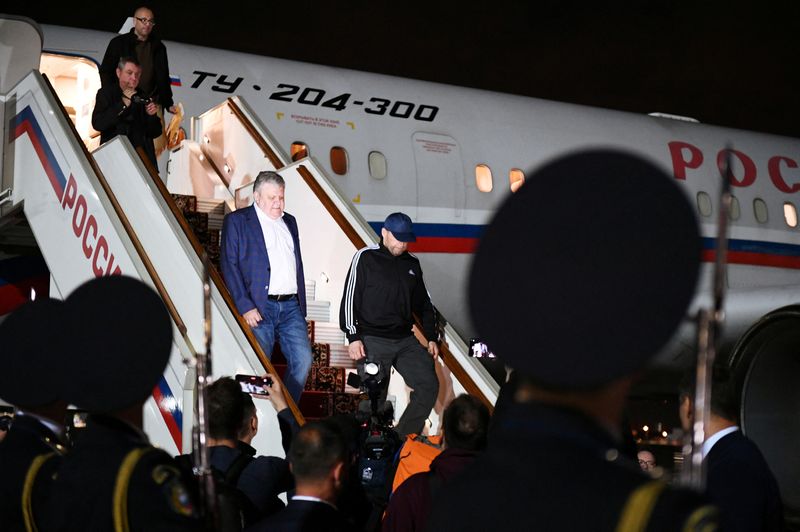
{"type": "Point", "coordinates": [733, 63]}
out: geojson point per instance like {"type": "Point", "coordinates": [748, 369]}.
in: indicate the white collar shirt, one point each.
{"type": "Point", "coordinates": [280, 248]}
{"type": "Point", "coordinates": [709, 443]}
{"type": "Point", "coordinates": [313, 499]}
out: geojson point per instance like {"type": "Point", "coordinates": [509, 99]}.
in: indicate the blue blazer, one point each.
{"type": "Point", "coordinates": [245, 262]}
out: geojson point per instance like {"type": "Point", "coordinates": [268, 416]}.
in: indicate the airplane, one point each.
{"type": "Point", "coordinates": [448, 156]}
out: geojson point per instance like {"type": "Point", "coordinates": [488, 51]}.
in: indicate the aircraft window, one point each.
{"type": "Point", "coordinates": [299, 150]}
{"type": "Point", "coordinates": [339, 160]}
{"type": "Point", "coordinates": [760, 210]}
{"type": "Point", "coordinates": [483, 178]}
{"type": "Point", "coordinates": [76, 81]}
{"type": "Point", "coordinates": [704, 204]}
{"type": "Point", "coordinates": [377, 165]}
{"type": "Point", "coordinates": [735, 210]}
{"type": "Point", "coordinates": [790, 214]}
{"type": "Point", "coordinates": [516, 178]}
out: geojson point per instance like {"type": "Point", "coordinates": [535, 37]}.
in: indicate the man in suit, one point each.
{"type": "Point", "coordinates": [263, 269]}
{"type": "Point", "coordinates": [35, 369]}
{"type": "Point", "coordinates": [738, 478]}
{"type": "Point", "coordinates": [318, 459]}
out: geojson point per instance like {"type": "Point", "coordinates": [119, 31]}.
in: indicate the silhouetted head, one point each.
{"type": "Point", "coordinates": [466, 423]}
{"type": "Point", "coordinates": [318, 453]}
{"type": "Point", "coordinates": [122, 338]}
{"type": "Point", "coordinates": [586, 271]}
{"type": "Point", "coordinates": [35, 358]}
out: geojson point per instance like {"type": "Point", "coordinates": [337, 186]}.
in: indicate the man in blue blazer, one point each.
{"type": "Point", "coordinates": [263, 269]}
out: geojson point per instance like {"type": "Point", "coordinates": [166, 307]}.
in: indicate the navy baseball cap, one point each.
{"type": "Point", "coordinates": [400, 226]}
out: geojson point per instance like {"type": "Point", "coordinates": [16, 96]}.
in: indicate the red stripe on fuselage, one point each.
{"type": "Point", "coordinates": [755, 259]}
{"type": "Point", "coordinates": [433, 244]}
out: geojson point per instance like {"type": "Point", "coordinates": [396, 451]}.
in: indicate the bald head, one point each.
{"type": "Point", "coordinates": [143, 22]}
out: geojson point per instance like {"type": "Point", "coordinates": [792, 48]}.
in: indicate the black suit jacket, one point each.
{"type": "Point", "coordinates": [304, 516]}
{"type": "Point", "coordinates": [741, 484]}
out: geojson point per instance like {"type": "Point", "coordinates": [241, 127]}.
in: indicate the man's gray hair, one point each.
{"type": "Point", "coordinates": [268, 177]}
{"type": "Point", "coordinates": [124, 60]}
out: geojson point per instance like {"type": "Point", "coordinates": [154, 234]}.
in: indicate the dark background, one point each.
{"type": "Point", "coordinates": [733, 64]}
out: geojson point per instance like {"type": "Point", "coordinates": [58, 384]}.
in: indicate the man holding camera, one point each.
{"type": "Point", "coordinates": [120, 110]}
{"type": "Point", "coordinates": [383, 290]}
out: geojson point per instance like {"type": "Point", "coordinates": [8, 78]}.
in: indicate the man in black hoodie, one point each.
{"type": "Point", "coordinates": [384, 288]}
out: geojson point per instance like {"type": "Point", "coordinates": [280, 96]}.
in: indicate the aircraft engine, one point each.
{"type": "Point", "coordinates": [766, 366]}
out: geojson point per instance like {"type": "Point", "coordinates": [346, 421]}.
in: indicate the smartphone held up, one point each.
{"type": "Point", "coordinates": [254, 385]}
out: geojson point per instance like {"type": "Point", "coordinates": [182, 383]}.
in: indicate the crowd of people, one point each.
{"type": "Point", "coordinates": [550, 457]}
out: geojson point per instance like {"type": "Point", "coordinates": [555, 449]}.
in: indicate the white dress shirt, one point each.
{"type": "Point", "coordinates": [280, 248]}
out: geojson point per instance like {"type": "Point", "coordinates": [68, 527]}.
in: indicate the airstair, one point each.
{"type": "Point", "coordinates": [107, 213]}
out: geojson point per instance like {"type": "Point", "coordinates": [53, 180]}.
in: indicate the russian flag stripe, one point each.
{"type": "Point", "coordinates": [25, 122]}
{"type": "Point", "coordinates": [168, 406]}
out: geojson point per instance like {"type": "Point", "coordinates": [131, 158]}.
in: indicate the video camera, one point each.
{"type": "Point", "coordinates": [138, 99]}
{"type": "Point", "coordinates": [369, 380]}
{"type": "Point", "coordinates": [378, 441]}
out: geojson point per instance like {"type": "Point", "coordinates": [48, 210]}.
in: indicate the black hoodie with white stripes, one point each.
{"type": "Point", "coordinates": [381, 293]}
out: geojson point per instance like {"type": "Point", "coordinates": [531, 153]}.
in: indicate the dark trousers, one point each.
{"type": "Point", "coordinates": [416, 366]}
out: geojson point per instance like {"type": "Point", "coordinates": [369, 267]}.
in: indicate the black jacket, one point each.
{"type": "Point", "coordinates": [111, 118]}
{"type": "Point", "coordinates": [125, 46]}
{"type": "Point", "coordinates": [27, 439]}
{"type": "Point", "coordinates": [549, 468]}
{"type": "Point", "coordinates": [742, 485]}
{"type": "Point", "coordinates": [82, 496]}
{"type": "Point", "coordinates": [304, 516]}
{"type": "Point", "coordinates": [381, 293]}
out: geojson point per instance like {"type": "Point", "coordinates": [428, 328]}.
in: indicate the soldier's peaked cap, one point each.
{"type": "Point", "coordinates": [33, 355]}
{"type": "Point", "coordinates": [123, 336]}
{"type": "Point", "coordinates": [587, 270]}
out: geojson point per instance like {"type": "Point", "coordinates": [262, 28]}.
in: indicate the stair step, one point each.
{"type": "Point", "coordinates": [319, 311]}
{"type": "Point", "coordinates": [339, 357]}
{"type": "Point", "coordinates": [311, 290]}
{"type": "Point", "coordinates": [326, 332]}
{"type": "Point", "coordinates": [316, 405]}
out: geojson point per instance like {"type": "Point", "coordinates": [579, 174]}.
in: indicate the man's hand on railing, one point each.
{"type": "Point", "coordinates": [252, 317]}
{"type": "Point", "coordinates": [433, 349]}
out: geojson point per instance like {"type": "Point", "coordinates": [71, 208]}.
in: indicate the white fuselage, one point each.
{"type": "Point", "coordinates": [433, 137]}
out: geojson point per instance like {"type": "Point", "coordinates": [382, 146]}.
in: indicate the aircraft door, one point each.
{"type": "Point", "coordinates": [76, 81]}
{"type": "Point", "coordinates": [441, 193]}
{"type": "Point", "coordinates": [21, 43]}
